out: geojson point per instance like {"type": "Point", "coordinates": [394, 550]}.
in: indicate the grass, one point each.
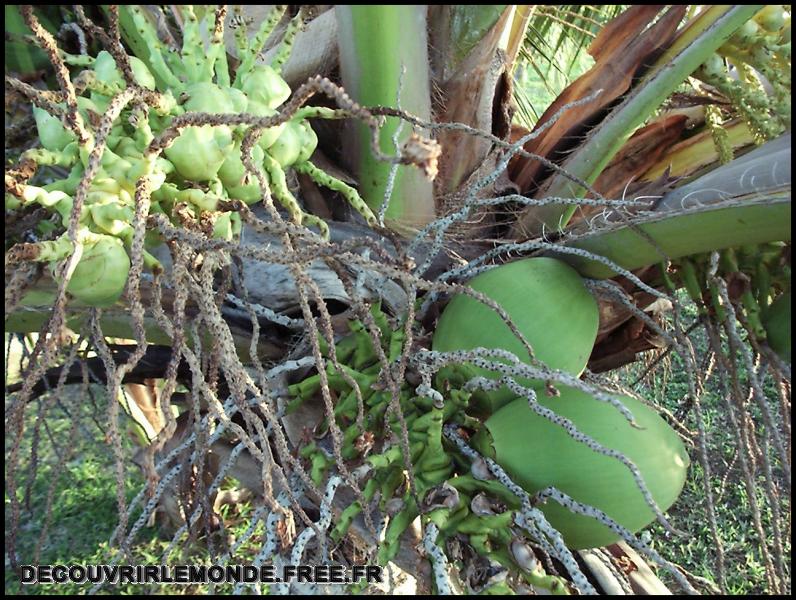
{"type": "Point", "coordinates": [745, 572]}
{"type": "Point", "coordinates": [84, 510]}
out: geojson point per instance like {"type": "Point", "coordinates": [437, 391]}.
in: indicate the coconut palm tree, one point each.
{"type": "Point", "coordinates": [669, 144]}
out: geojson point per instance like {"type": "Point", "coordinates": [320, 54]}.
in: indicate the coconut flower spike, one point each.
{"type": "Point", "coordinates": [192, 46]}
{"type": "Point", "coordinates": [286, 45]}
{"type": "Point", "coordinates": [278, 182]}
{"type": "Point", "coordinates": [157, 50]}
{"type": "Point", "coordinates": [218, 52]}
{"type": "Point", "coordinates": [258, 42]}
{"type": "Point", "coordinates": [350, 194]}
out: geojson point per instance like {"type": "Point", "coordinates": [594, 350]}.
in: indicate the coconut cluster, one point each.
{"type": "Point", "coordinates": [190, 170]}
{"type": "Point", "coordinates": [752, 69]}
{"type": "Point", "coordinates": [571, 441]}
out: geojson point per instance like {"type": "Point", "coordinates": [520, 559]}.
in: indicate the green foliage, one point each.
{"type": "Point", "coordinates": [554, 54]}
{"type": "Point", "coordinates": [21, 57]}
{"type": "Point", "coordinates": [200, 161]}
{"type": "Point", "coordinates": [84, 508]}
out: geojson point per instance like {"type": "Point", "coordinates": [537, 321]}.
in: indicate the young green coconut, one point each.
{"type": "Point", "coordinates": [101, 272]}
{"type": "Point", "coordinates": [546, 300]}
{"type": "Point", "coordinates": [538, 453]}
{"type": "Point", "coordinates": [203, 164]}
{"type": "Point", "coordinates": [202, 154]}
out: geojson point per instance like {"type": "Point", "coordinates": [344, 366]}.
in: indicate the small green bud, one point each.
{"type": "Point", "coordinates": [287, 149]}
{"type": "Point", "coordinates": [270, 135]}
{"type": "Point", "coordinates": [263, 84]}
{"type": "Point", "coordinates": [52, 134]}
{"type": "Point", "coordinates": [199, 152]}
{"type": "Point", "coordinates": [101, 274]}
{"type": "Point", "coordinates": [233, 171]}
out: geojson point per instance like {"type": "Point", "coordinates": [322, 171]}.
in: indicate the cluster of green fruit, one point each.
{"type": "Point", "coordinates": [359, 362]}
{"type": "Point", "coordinates": [200, 168]}
{"type": "Point", "coordinates": [761, 279]}
{"type": "Point", "coordinates": [549, 304]}
{"type": "Point", "coordinates": [760, 47]}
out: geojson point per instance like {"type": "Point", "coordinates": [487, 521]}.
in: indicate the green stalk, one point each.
{"type": "Point", "coordinates": [698, 230]}
{"type": "Point", "coordinates": [140, 34]}
{"type": "Point", "coordinates": [745, 202]}
{"type": "Point", "coordinates": [192, 45]}
{"type": "Point", "coordinates": [589, 160]}
{"type": "Point", "coordinates": [376, 42]}
{"type": "Point", "coordinates": [249, 53]}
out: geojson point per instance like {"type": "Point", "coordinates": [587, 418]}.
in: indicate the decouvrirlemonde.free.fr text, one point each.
{"type": "Point", "coordinates": [195, 574]}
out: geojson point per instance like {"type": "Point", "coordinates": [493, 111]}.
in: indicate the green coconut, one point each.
{"type": "Point", "coordinates": [199, 151]}
{"type": "Point", "coordinates": [549, 304]}
{"type": "Point", "coordinates": [537, 453]}
{"type": "Point", "coordinates": [288, 147]}
{"type": "Point", "coordinates": [776, 321]}
{"type": "Point", "coordinates": [264, 85]}
{"type": "Point", "coordinates": [101, 274]}
{"type": "Point", "coordinates": [771, 17]}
